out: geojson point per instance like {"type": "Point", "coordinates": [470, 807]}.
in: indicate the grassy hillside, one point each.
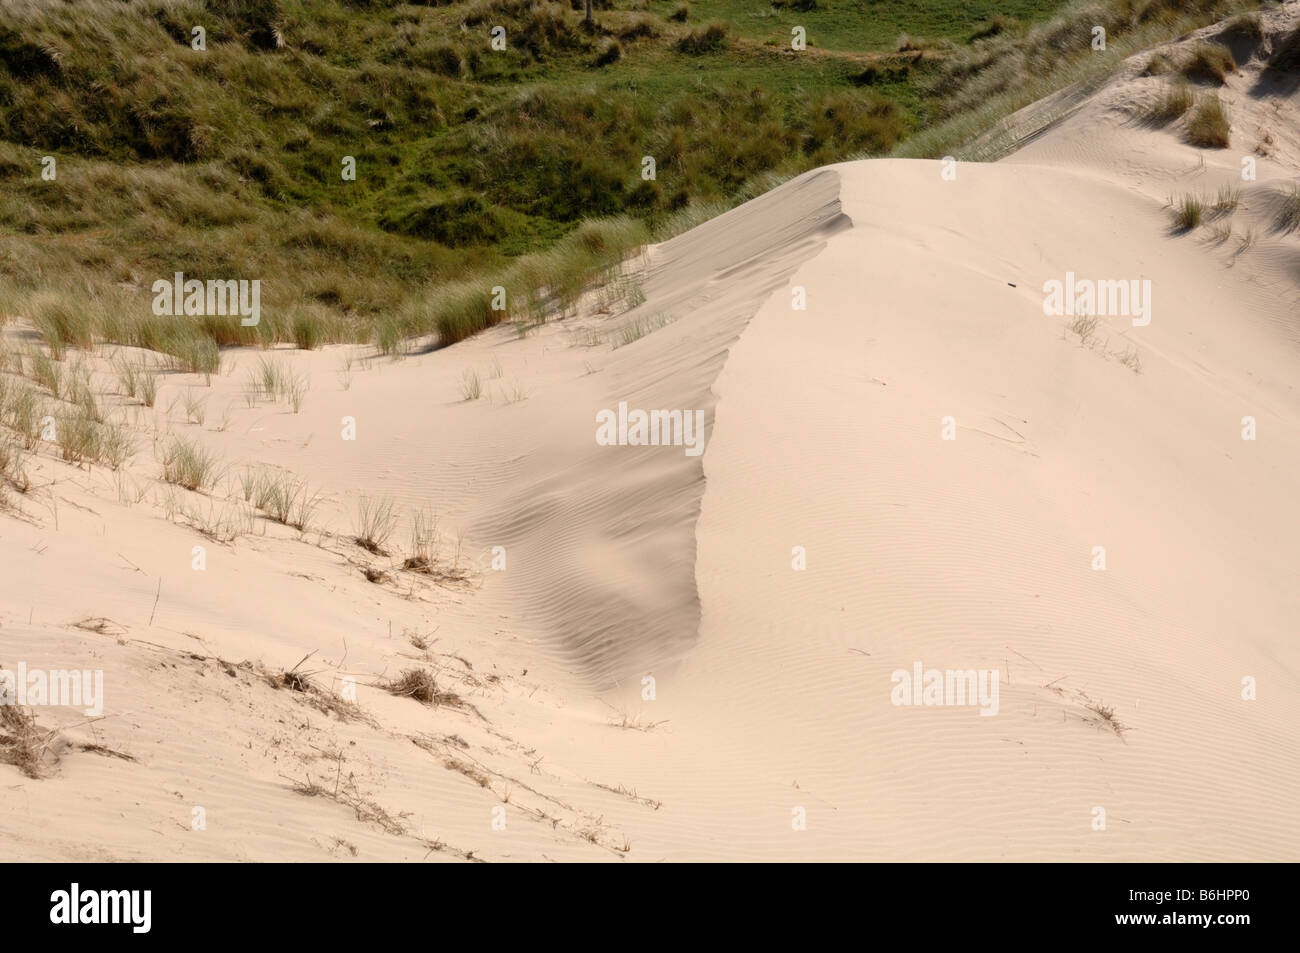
{"type": "Point", "coordinates": [474, 167]}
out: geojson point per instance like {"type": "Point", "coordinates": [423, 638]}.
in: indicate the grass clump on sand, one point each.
{"type": "Point", "coordinates": [1210, 63]}
{"type": "Point", "coordinates": [1176, 100]}
{"type": "Point", "coordinates": [1243, 28]}
{"type": "Point", "coordinates": [1209, 125]}
{"type": "Point", "coordinates": [979, 84]}
{"type": "Point", "coordinates": [373, 524]}
{"type": "Point", "coordinates": [12, 468]}
{"type": "Point", "coordinates": [1105, 718]}
{"type": "Point", "coordinates": [1188, 212]}
{"type": "Point", "coordinates": [422, 685]}
{"type": "Point", "coordinates": [78, 438]}
{"type": "Point", "coordinates": [1289, 215]}
{"type": "Point", "coordinates": [1158, 65]}
{"type": "Point", "coordinates": [1227, 199]}
{"type": "Point", "coordinates": [282, 497]}
{"type": "Point", "coordinates": [22, 742]}
{"type": "Point", "coordinates": [423, 541]}
{"type": "Point", "coordinates": [189, 465]}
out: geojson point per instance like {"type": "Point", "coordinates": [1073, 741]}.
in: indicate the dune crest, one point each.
{"type": "Point", "coordinates": [955, 576]}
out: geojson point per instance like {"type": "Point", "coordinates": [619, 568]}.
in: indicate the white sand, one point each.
{"type": "Point", "coordinates": [773, 688]}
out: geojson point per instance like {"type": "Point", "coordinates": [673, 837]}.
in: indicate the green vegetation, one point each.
{"type": "Point", "coordinates": [187, 464]}
{"type": "Point", "coordinates": [1176, 100]}
{"type": "Point", "coordinates": [474, 168]}
{"type": "Point", "coordinates": [1227, 199]}
{"type": "Point", "coordinates": [281, 496]}
{"type": "Point", "coordinates": [1288, 219]}
{"type": "Point", "coordinates": [857, 25]}
{"type": "Point", "coordinates": [1210, 63]}
{"type": "Point", "coordinates": [1158, 65]}
{"type": "Point", "coordinates": [373, 524]}
{"type": "Point", "coordinates": [1209, 125]}
{"type": "Point", "coordinates": [1188, 212]}
{"type": "Point", "coordinates": [1243, 28]}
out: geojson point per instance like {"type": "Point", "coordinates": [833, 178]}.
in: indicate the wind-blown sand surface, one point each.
{"type": "Point", "coordinates": [772, 686]}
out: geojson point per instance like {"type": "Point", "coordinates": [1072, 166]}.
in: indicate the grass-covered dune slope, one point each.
{"type": "Point", "coordinates": [521, 168]}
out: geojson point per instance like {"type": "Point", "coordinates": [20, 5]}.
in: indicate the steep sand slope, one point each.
{"type": "Point", "coordinates": [978, 553]}
{"type": "Point", "coordinates": [598, 582]}
{"type": "Point", "coordinates": [772, 686]}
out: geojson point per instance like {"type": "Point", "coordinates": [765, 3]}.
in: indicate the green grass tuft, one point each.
{"type": "Point", "coordinates": [1188, 212]}
{"type": "Point", "coordinates": [186, 463]}
{"type": "Point", "coordinates": [1209, 62]}
{"type": "Point", "coordinates": [1209, 125]}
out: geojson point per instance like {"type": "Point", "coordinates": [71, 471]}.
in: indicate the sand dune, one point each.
{"type": "Point", "coordinates": [1118, 688]}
